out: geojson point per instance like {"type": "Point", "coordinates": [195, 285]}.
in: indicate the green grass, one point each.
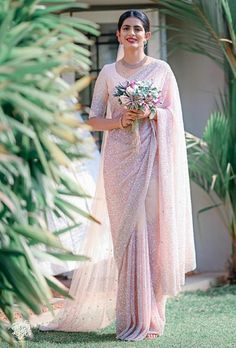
{"type": "Point", "coordinates": [193, 319]}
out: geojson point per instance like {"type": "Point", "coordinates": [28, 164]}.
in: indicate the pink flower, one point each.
{"type": "Point", "coordinates": [132, 84]}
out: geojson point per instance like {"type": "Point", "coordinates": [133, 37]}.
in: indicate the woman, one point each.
{"type": "Point", "coordinates": [147, 196]}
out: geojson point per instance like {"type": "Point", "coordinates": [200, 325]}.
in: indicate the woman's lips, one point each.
{"type": "Point", "coordinates": [131, 40]}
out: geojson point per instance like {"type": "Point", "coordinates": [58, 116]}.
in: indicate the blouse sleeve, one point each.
{"type": "Point", "coordinates": [100, 96]}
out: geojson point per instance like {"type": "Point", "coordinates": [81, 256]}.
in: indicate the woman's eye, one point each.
{"type": "Point", "coordinates": [136, 29]}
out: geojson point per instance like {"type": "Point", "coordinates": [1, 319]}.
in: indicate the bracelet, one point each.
{"type": "Point", "coordinates": [121, 124]}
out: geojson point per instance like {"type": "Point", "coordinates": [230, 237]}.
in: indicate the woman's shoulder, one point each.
{"type": "Point", "coordinates": [159, 63]}
{"type": "Point", "coordinates": [108, 67]}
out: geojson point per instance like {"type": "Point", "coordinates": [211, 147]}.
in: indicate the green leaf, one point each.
{"type": "Point", "coordinates": [69, 256]}
{"type": "Point", "coordinates": [56, 153]}
{"type": "Point", "coordinates": [45, 256]}
{"type": "Point", "coordinates": [11, 252]}
{"type": "Point", "coordinates": [43, 290]}
{"type": "Point", "coordinates": [66, 229]}
{"type": "Point", "coordinates": [31, 91]}
{"type": "Point", "coordinates": [57, 286]}
{"type": "Point", "coordinates": [21, 127]}
{"type": "Point", "coordinates": [24, 104]}
{"type": "Point", "coordinates": [22, 284]}
{"type": "Point", "coordinates": [32, 69]}
{"type": "Point", "coordinates": [74, 187]}
{"type": "Point", "coordinates": [76, 209]}
{"type": "Point", "coordinates": [5, 26]}
{"type": "Point", "coordinates": [38, 235]}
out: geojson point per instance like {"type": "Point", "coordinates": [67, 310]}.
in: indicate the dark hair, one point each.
{"type": "Point", "coordinates": [137, 14]}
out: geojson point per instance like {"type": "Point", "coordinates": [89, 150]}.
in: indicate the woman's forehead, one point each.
{"type": "Point", "coordinates": [133, 21]}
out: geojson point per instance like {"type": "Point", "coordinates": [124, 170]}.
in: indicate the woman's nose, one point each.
{"type": "Point", "coordinates": [132, 32]}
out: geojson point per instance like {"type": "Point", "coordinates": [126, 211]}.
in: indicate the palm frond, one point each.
{"type": "Point", "coordinates": [210, 28]}
{"type": "Point", "coordinates": [39, 136]}
{"type": "Point", "coordinates": [209, 157]}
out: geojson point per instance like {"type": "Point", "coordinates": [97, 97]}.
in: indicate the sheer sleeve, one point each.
{"type": "Point", "coordinates": [100, 96]}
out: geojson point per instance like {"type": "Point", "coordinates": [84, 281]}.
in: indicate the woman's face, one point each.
{"type": "Point", "coordinates": [132, 33]}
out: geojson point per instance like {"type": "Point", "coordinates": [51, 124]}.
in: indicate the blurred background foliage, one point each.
{"type": "Point", "coordinates": [39, 137]}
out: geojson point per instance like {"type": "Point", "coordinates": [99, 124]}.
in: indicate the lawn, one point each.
{"type": "Point", "coordinates": [201, 319]}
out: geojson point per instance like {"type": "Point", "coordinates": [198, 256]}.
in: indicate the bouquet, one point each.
{"type": "Point", "coordinates": [138, 95]}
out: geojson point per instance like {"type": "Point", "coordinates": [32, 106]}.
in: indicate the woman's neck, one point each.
{"type": "Point", "coordinates": [133, 56]}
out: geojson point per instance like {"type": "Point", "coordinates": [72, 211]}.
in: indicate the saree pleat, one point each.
{"type": "Point", "coordinates": [140, 309]}
{"type": "Point", "coordinates": [126, 188]}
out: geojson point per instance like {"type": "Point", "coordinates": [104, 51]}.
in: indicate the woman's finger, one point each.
{"type": "Point", "coordinates": [141, 116]}
{"type": "Point", "coordinates": [131, 118]}
{"type": "Point", "coordinates": [131, 112]}
{"type": "Point", "coordinates": [136, 111]}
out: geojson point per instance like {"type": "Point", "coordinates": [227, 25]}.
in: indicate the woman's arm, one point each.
{"type": "Point", "coordinates": [97, 119]}
{"type": "Point", "coordinates": [102, 124]}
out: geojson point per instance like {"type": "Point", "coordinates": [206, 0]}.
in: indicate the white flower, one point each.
{"type": "Point", "coordinates": [124, 100]}
{"type": "Point", "coordinates": [130, 90]}
{"type": "Point", "coordinates": [21, 329]}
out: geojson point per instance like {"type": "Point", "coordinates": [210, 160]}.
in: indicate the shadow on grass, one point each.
{"type": "Point", "coordinates": [72, 337]}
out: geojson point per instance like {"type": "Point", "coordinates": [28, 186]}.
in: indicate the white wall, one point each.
{"type": "Point", "coordinates": [200, 80]}
{"type": "Point", "coordinates": [213, 244]}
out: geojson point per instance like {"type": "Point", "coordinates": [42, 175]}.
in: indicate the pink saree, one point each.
{"type": "Point", "coordinates": [144, 245]}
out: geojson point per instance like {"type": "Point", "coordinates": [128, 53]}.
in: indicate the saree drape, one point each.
{"type": "Point", "coordinates": [144, 245]}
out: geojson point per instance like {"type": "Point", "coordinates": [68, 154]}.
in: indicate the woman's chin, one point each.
{"type": "Point", "coordinates": [131, 45]}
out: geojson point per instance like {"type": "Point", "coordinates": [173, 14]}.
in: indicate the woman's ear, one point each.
{"type": "Point", "coordinates": [148, 35]}
{"type": "Point", "coordinates": [118, 36]}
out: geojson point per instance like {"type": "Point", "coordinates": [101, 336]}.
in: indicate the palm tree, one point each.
{"type": "Point", "coordinates": [212, 159]}
{"type": "Point", "coordinates": [39, 137]}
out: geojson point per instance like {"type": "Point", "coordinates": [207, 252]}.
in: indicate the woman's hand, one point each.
{"type": "Point", "coordinates": [145, 114]}
{"type": "Point", "coordinates": [142, 114]}
{"type": "Point", "coordinates": [128, 118]}
{"type": "Point", "coordinates": [131, 115]}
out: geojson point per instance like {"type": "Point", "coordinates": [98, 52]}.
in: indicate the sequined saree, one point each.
{"type": "Point", "coordinates": [143, 253]}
